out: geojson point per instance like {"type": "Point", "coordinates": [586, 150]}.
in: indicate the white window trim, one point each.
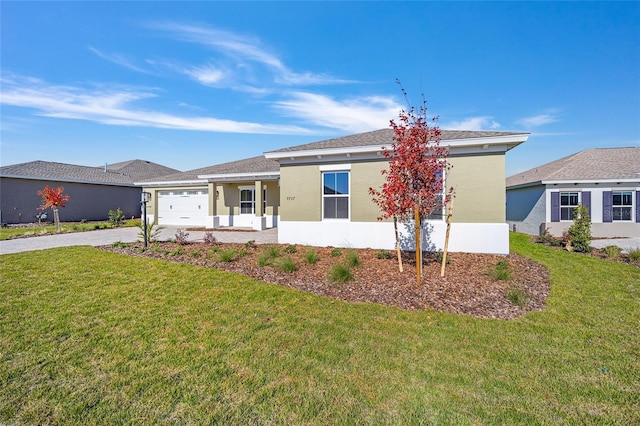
{"type": "Point", "coordinates": [253, 202]}
{"type": "Point", "coordinates": [632, 206]}
{"type": "Point", "coordinates": [560, 203]}
{"type": "Point", "coordinates": [348, 196]}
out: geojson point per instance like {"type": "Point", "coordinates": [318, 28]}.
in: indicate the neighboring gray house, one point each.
{"type": "Point", "coordinates": [93, 191]}
{"type": "Point", "coordinates": [605, 180]}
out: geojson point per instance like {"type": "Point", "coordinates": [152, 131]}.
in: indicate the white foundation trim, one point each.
{"type": "Point", "coordinates": [464, 237]}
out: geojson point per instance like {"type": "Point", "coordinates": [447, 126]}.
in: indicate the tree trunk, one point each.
{"type": "Point", "coordinates": [56, 219]}
{"type": "Point", "coordinates": [418, 245]}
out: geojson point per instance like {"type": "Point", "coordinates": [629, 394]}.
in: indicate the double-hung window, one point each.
{"type": "Point", "coordinates": [335, 195]}
{"type": "Point", "coordinates": [247, 201]}
{"type": "Point", "coordinates": [568, 203]}
{"type": "Point", "coordinates": [622, 205]}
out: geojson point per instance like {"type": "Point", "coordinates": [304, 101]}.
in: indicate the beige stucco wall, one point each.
{"type": "Point", "coordinates": [228, 197]}
{"type": "Point", "coordinates": [479, 183]}
{"type": "Point", "coordinates": [300, 196]}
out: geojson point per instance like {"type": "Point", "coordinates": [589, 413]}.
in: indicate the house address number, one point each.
{"type": "Point", "coordinates": [291, 198]}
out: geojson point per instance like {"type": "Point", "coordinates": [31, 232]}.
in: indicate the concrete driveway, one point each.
{"type": "Point", "coordinates": [126, 235]}
{"type": "Point", "coordinates": [625, 244]}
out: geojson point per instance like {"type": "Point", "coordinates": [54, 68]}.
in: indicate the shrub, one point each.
{"type": "Point", "coordinates": [273, 252]}
{"type": "Point", "coordinates": [353, 259]}
{"type": "Point", "coordinates": [196, 253]}
{"type": "Point", "coordinates": [182, 237]}
{"type": "Point", "coordinates": [177, 252]}
{"type": "Point", "coordinates": [152, 231]}
{"type": "Point", "coordinates": [250, 244]}
{"type": "Point", "coordinates": [502, 271]}
{"type": "Point", "coordinates": [336, 252]}
{"type": "Point", "coordinates": [287, 264]}
{"type": "Point", "coordinates": [264, 259]}
{"type": "Point", "coordinates": [227, 255]}
{"type": "Point", "coordinates": [116, 217]}
{"type": "Point", "coordinates": [579, 234]}
{"type": "Point", "coordinates": [290, 249]}
{"type": "Point", "coordinates": [340, 274]}
{"type": "Point", "coordinates": [311, 256]}
{"type": "Point", "coordinates": [612, 251]}
{"type": "Point", "coordinates": [546, 238]}
{"type": "Point", "coordinates": [383, 254]}
{"type": "Point", "coordinates": [209, 238]}
{"type": "Point", "coordinates": [634, 254]}
{"type": "Point", "coordinates": [438, 257]}
{"type": "Point", "coordinates": [518, 297]}
{"type": "Point", "coordinates": [119, 244]}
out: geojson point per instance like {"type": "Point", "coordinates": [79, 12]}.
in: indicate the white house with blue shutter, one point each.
{"type": "Point", "coordinates": [605, 180]}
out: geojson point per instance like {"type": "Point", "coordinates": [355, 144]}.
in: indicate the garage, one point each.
{"type": "Point", "coordinates": [183, 208]}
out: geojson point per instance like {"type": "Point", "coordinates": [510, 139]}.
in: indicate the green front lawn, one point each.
{"type": "Point", "coordinates": [88, 336]}
{"type": "Point", "coordinates": [44, 229]}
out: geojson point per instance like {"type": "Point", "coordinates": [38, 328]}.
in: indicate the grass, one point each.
{"type": "Point", "coordinates": [91, 337]}
{"type": "Point", "coordinates": [44, 229]}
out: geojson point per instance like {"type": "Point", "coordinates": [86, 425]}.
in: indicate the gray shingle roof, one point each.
{"type": "Point", "coordinates": [385, 137]}
{"type": "Point", "coordinates": [125, 173]}
{"type": "Point", "coordinates": [258, 164]}
{"type": "Point", "coordinates": [591, 164]}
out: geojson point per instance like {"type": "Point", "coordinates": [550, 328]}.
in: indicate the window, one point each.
{"type": "Point", "coordinates": [335, 195]}
{"type": "Point", "coordinates": [568, 203]}
{"type": "Point", "coordinates": [247, 201]}
{"type": "Point", "coordinates": [264, 200]}
{"type": "Point", "coordinates": [622, 205]}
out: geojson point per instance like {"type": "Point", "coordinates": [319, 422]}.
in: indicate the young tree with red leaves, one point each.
{"type": "Point", "coordinates": [415, 178]}
{"type": "Point", "coordinates": [54, 198]}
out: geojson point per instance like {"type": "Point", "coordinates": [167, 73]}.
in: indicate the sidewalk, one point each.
{"type": "Point", "coordinates": [127, 235]}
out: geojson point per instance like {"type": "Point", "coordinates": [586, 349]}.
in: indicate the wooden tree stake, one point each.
{"type": "Point", "coordinates": [446, 239]}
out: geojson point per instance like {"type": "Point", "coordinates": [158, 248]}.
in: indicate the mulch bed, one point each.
{"type": "Point", "coordinates": [468, 287]}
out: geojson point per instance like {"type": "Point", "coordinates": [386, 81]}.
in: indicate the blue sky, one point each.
{"type": "Point", "coordinates": [192, 84]}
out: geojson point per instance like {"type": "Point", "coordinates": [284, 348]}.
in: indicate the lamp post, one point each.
{"type": "Point", "coordinates": [144, 199]}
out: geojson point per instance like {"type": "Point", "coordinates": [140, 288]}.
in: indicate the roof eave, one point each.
{"type": "Point", "coordinates": [235, 177]}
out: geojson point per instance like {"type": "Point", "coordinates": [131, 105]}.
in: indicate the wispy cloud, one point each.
{"type": "Point", "coordinates": [246, 55]}
{"type": "Point", "coordinates": [207, 75]}
{"type": "Point", "coordinates": [118, 59]}
{"type": "Point", "coordinates": [473, 123]}
{"type": "Point", "coordinates": [539, 120]}
{"type": "Point", "coordinates": [353, 115]}
{"type": "Point", "coordinates": [114, 106]}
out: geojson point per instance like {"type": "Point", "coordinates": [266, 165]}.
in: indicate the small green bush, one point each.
{"type": "Point", "coordinates": [502, 271]}
{"type": "Point", "coordinates": [250, 244]}
{"type": "Point", "coordinates": [546, 238]}
{"type": "Point", "coordinates": [438, 256]}
{"type": "Point", "coordinates": [634, 254]}
{"type": "Point", "coordinates": [353, 259]}
{"type": "Point", "coordinates": [119, 244]}
{"type": "Point", "coordinates": [177, 252]}
{"type": "Point", "coordinates": [290, 249]}
{"type": "Point", "coordinates": [196, 253]}
{"type": "Point", "coordinates": [227, 255]}
{"type": "Point", "coordinates": [612, 252]}
{"type": "Point", "coordinates": [383, 254]}
{"type": "Point", "coordinates": [311, 256]}
{"type": "Point", "coordinates": [264, 259]}
{"type": "Point", "coordinates": [518, 297]}
{"type": "Point", "coordinates": [152, 231]}
{"type": "Point", "coordinates": [340, 274]}
{"type": "Point", "coordinates": [579, 234]}
{"type": "Point", "coordinates": [116, 218]}
{"type": "Point", "coordinates": [273, 252]}
{"type": "Point", "coordinates": [336, 252]}
{"type": "Point", "coordinates": [287, 264]}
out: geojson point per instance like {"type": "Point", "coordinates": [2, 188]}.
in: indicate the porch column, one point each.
{"type": "Point", "coordinates": [213, 221]}
{"type": "Point", "coordinates": [259, 221]}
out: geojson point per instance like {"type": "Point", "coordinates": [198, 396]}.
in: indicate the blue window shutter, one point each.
{"type": "Point", "coordinates": [638, 206]}
{"type": "Point", "coordinates": [555, 207]}
{"type": "Point", "coordinates": [586, 201]}
{"type": "Point", "coordinates": [607, 206]}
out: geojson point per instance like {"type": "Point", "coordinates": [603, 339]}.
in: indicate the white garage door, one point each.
{"type": "Point", "coordinates": [187, 208]}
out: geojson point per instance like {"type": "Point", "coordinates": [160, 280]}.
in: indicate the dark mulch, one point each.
{"type": "Point", "coordinates": [468, 287]}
